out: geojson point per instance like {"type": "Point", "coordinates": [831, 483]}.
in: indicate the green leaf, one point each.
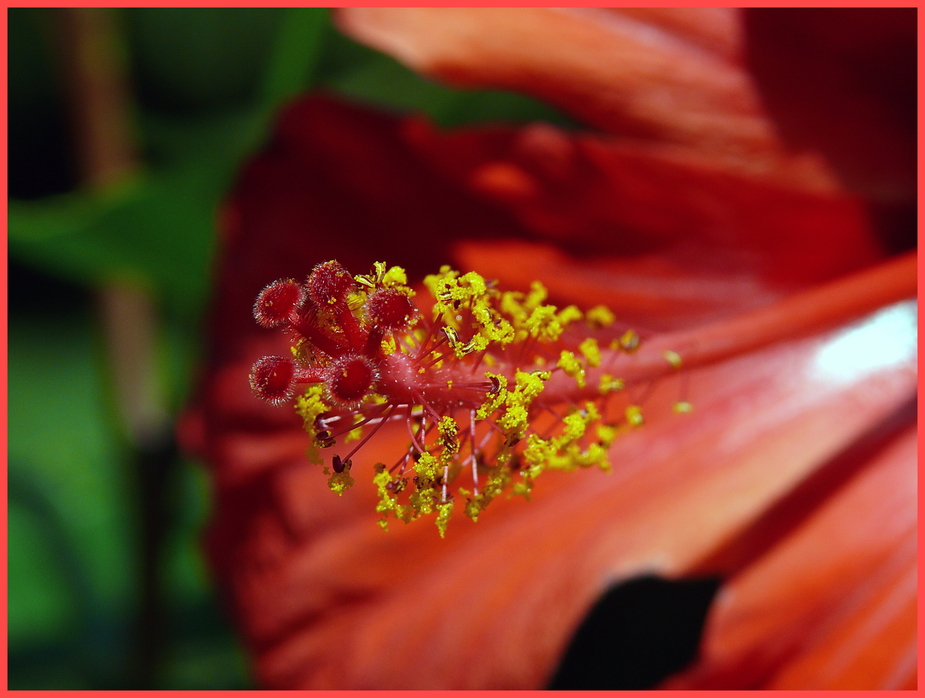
{"type": "Point", "coordinates": [156, 232]}
{"type": "Point", "coordinates": [66, 477]}
{"type": "Point", "coordinates": [156, 228]}
{"type": "Point", "coordinates": [373, 78]}
{"type": "Point", "coordinates": [73, 536]}
{"type": "Point", "coordinates": [294, 61]}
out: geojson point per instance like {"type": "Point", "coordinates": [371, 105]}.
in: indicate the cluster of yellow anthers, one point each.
{"type": "Point", "coordinates": [469, 383]}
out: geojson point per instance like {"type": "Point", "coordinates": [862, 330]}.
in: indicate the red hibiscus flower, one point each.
{"type": "Point", "coordinates": [742, 204]}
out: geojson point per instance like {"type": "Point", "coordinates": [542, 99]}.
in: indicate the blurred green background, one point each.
{"type": "Point", "coordinates": [107, 585]}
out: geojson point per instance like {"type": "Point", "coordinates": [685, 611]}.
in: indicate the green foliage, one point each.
{"type": "Point", "coordinates": [372, 78]}
{"type": "Point", "coordinates": [144, 231]}
{"type": "Point", "coordinates": [72, 527]}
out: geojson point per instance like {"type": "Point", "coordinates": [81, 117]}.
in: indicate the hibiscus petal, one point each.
{"type": "Point", "coordinates": [668, 74]}
{"type": "Point", "coordinates": [327, 600]}
{"type": "Point", "coordinates": [838, 596]}
{"type": "Point", "coordinates": [324, 598]}
{"type": "Point", "coordinates": [713, 80]}
{"type": "Point", "coordinates": [662, 237]}
{"type": "Point", "coordinates": [844, 86]}
{"type": "Point", "coordinates": [596, 195]}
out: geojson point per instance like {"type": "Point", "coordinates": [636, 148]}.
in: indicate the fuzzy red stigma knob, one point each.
{"type": "Point", "coordinates": [328, 285]}
{"type": "Point", "coordinates": [389, 309]}
{"type": "Point", "coordinates": [349, 379]}
{"type": "Point", "coordinates": [276, 302]}
{"type": "Point", "coordinates": [273, 378]}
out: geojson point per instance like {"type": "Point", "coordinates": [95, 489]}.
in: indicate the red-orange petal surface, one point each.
{"type": "Point", "coordinates": [673, 75]}
{"type": "Point", "coordinates": [324, 598]}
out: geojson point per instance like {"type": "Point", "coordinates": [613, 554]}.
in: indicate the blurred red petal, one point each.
{"type": "Point", "coordinates": [741, 87]}
{"type": "Point", "coordinates": [598, 196]}
{"type": "Point", "coordinates": [673, 75]}
{"type": "Point", "coordinates": [845, 86]}
{"type": "Point", "coordinates": [658, 235]}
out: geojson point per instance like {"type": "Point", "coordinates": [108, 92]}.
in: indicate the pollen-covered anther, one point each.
{"type": "Point", "coordinates": [324, 438]}
{"type": "Point", "coordinates": [389, 309]}
{"type": "Point", "coordinates": [329, 284]}
{"type": "Point", "coordinates": [273, 378]}
{"type": "Point", "coordinates": [629, 341]}
{"type": "Point", "coordinates": [350, 379]}
{"type": "Point", "coordinates": [674, 358]}
{"type": "Point", "coordinates": [277, 301]}
{"type": "Point", "coordinates": [339, 465]}
{"type": "Point", "coordinates": [634, 415]}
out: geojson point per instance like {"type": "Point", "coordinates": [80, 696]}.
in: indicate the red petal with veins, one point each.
{"type": "Point", "coordinates": [669, 75]}
{"type": "Point", "coordinates": [743, 87]}
{"type": "Point", "coordinates": [838, 595]}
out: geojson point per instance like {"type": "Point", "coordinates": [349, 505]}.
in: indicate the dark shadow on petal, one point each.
{"type": "Point", "coordinates": [637, 634]}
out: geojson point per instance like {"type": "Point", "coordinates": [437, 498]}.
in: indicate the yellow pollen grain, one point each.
{"type": "Point", "coordinates": [388, 345]}
{"type": "Point", "coordinates": [395, 276]}
{"type": "Point", "coordinates": [629, 341]}
{"type": "Point", "coordinates": [591, 351]}
{"type": "Point", "coordinates": [609, 384]}
{"type": "Point", "coordinates": [568, 315]}
{"type": "Point", "coordinates": [339, 482]}
{"type": "Point", "coordinates": [673, 357]}
{"type": "Point", "coordinates": [572, 367]}
{"type": "Point", "coordinates": [634, 415]}
{"type": "Point", "coordinates": [600, 316]}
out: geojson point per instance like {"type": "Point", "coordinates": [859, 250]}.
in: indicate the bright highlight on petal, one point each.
{"type": "Point", "coordinates": [886, 339]}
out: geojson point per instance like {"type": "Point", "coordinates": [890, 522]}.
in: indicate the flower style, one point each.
{"type": "Point", "coordinates": [689, 217]}
{"type": "Point", "coordinates": [486, 359]}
